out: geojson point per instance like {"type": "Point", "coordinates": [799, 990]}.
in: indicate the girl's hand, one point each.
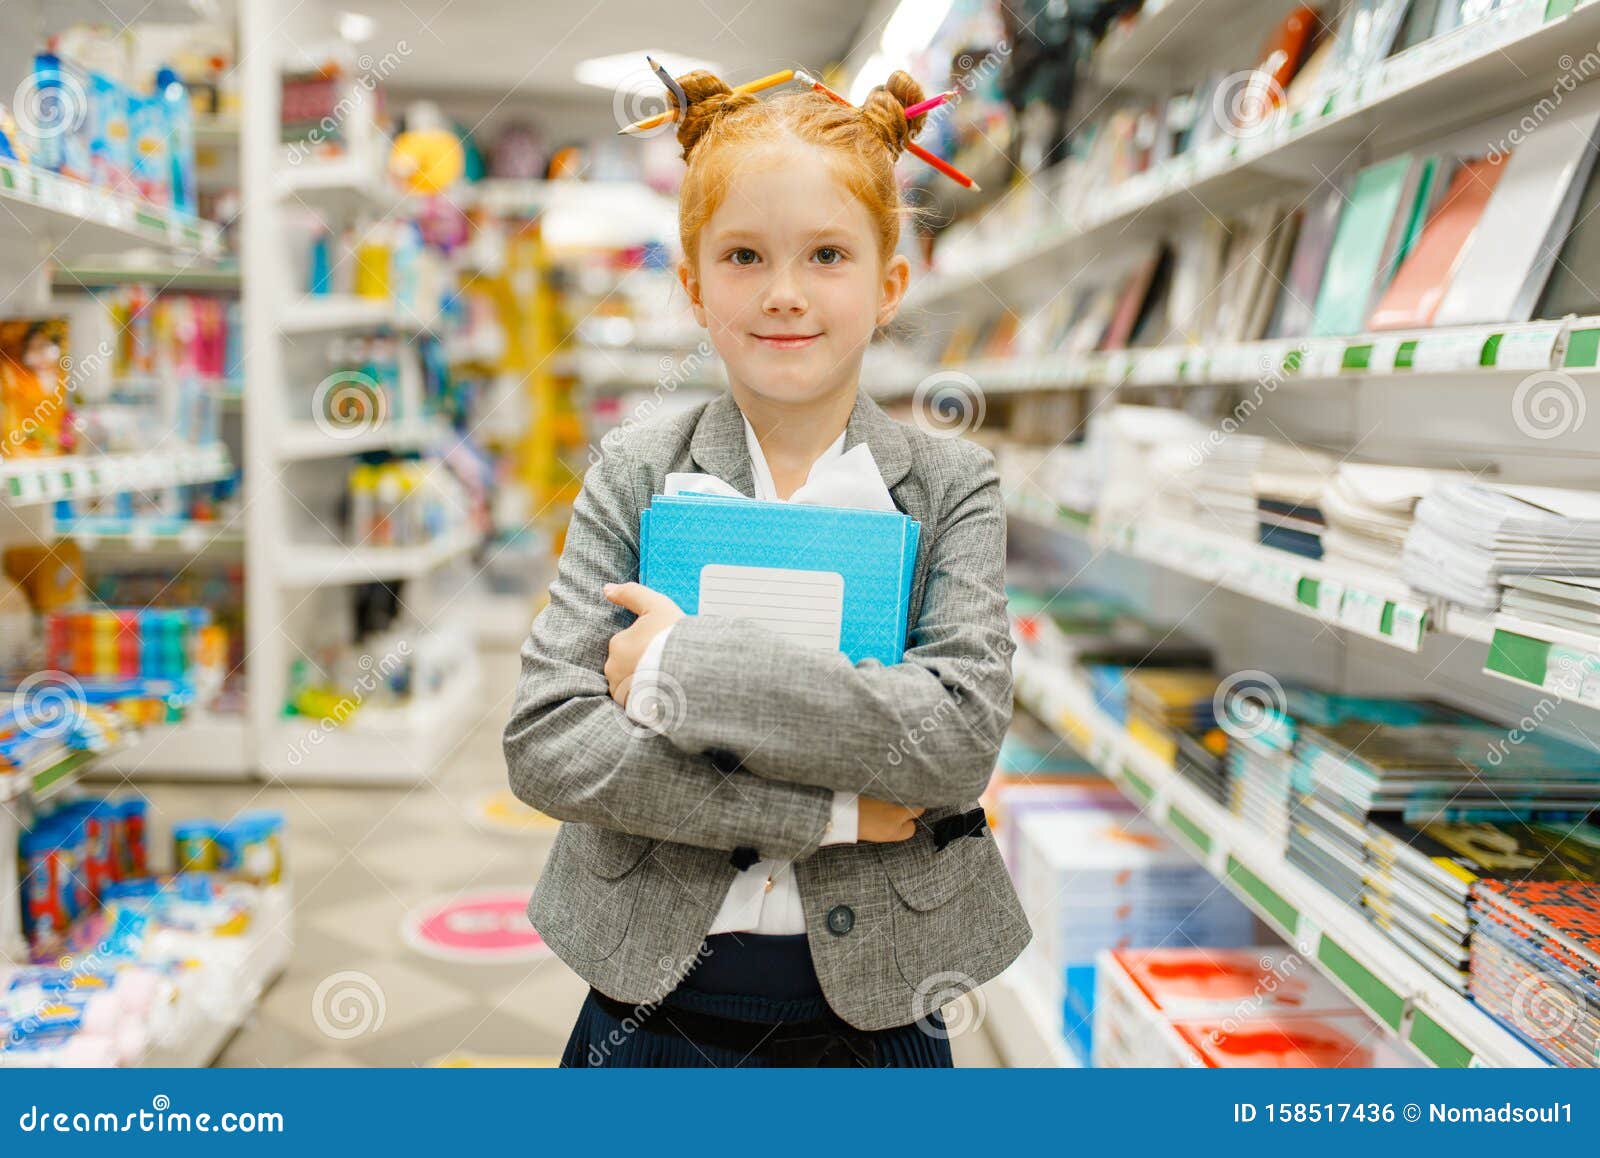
{"type": "Point", "coordinates": [656, 613]}
{"type": "Point", "coordinates": [885, 823]}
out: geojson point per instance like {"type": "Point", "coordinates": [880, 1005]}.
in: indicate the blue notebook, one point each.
{"type": "Point", "coordinates": [826, 577]}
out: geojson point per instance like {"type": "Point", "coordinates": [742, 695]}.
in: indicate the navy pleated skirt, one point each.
{"type": "Point", "coordinates": [750, 1001]}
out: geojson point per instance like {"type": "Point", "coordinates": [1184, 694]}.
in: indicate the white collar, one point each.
{"type": "Point", "coordinates": [762, 473]}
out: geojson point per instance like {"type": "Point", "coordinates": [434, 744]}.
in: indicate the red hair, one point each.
{"type": "Point", "coordinates": [861, 144]}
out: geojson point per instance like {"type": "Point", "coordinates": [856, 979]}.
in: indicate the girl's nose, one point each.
{"type": "Point", "coordinates": [783, 295]}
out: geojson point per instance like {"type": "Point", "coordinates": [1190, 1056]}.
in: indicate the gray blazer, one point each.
{"type": "Point", "coordinates": [760, 735]}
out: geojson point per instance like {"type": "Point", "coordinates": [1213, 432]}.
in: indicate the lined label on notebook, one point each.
{"type": "Point", "coordinates": [804, 606]}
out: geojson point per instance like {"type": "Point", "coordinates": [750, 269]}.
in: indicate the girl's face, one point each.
{"type": "Point", "coordinates": [789, 282]}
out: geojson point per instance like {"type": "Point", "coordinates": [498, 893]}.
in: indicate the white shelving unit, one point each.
{"type": "Point", "coordinates": [1440, 1026]}
{"type": "Point", "coordinates": [294, 460]}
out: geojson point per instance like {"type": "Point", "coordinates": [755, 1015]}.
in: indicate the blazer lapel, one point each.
{"type": "Point", "coordinates": [718, 446]}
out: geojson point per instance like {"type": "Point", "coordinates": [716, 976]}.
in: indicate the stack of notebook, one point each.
{"type": "Point", "coordinates": [1288, 494]}
{"type": "Point", "coordinates": [1369, 509]}
{"type": "Point", "coordinates": [1170, 713]}
{"type": "Point", "coordinates": [1467, 537]}
{"type": "Point", "coordinates": [1223, 486]}
{"type": "Point", "coordinates": [1536, 961]}
{"type": "Point", "coordinates": [1570, 602]}
{"type": "Point", "coordinates": [1420, 877]}
{"type": "Point", "coordinates": [835, 578]}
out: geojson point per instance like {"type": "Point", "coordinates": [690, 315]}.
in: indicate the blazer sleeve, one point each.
{"type": "Point", "coordinates": [924, 731]}
{"type": "Point", "coordinates": [571, 751]}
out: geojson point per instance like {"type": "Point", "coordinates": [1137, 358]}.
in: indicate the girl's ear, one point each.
{"type": "Point", "coordinates": [896, 279]}
{"type": "Point", "coordinates": [691, 286]}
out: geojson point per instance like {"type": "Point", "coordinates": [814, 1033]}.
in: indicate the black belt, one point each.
{"type": "Point", "coordinates": [828, 1041]}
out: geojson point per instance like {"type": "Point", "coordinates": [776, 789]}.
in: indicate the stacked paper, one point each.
{"type": "Point", "coordinates": [1224, 485]}
{"type": "Point", "coordinates": [1289, 514]}
{"type": "Point", "coordinates": [1169, 1008]}
{"type": "Point", "coordinates": [1369, 509]}
{"type": "Point", "coordinates": [1467, 537]}
{"type": "Point", "coordinates": [1093, 880]}
{"type": "Point", "coordinates": [1535, 960]}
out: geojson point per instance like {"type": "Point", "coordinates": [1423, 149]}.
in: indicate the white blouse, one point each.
{"type": "Point", "coordinates": [764, 898]}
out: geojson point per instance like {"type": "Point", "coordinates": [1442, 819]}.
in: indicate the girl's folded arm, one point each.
{"type": "Point", "coordinates": [572, 753]}
{"type": "Point", "coordinates": [925, 731]}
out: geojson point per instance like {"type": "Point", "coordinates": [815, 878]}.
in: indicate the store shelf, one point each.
{"type": "Point", "coordinates": [1494, 64]}
{"type": "Point", "coordinates": [301, 441]}
{"type": "Point", "coordinates": [336, 312]}
{"type": "Point", "coordinates": [1572, 344]}
{"type": "Point", "coordinates": [202, 747]}
{"type": "Point", "coordinates": [141, 540]}
{"type": "Point", "coordinates": [1540, 656]}
{"type": "Point", "coordinates": [328, 566]}
{"type": "Point", "coordinates": [177, 278]}
{"type": "Point", "coordinates": [338, 185]}
{"type": "Point", "coordinates": [1146, 51]}
{"type": "Point", "coordinates": [1439, 1025]}
{"type": "Point", "coordinates": [71, 219]}
{"type": "Point", "coordinates": [43, 480]}
{"type": "Point", "coordinates": [199, 1040]}
{"type": "Point", "coordinates": [212, 131]}
{"type": "Point", "coordinates": [47, 777]}
{"type": "Point", "coordinates": [376, 745]}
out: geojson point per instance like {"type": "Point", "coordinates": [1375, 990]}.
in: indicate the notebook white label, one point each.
{"type": "Point", "coordinates": [804, 606]}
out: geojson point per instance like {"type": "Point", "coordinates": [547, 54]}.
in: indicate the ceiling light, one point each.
{"type": "Point", "coordinates": [627, 71]}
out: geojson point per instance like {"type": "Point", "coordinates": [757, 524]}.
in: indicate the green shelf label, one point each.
{"type": "Point", "coordinates": [1197, 836]}
{"type": "Point", "coordinates": [1356, 358]}
{"type": "Point", "coordinates": [1583, 349]}
{"type": "Point", "coordinates": [1281, 911]}
{"type": "Point", "coordinates": [1491, 350]}
{"type": "Point", "coordinates": [1309, 592]}
{"type": "Point", "coordinates": [1437, 1044]}
{"type": "Point", "coordinates": [1140, 786]}
{"type": "Point", "coordinates": [1385, 1004]}
{"type": "Point", "coordinates": [1518, 657]}
{"type": "Point", "coordinates": [1405, 355]}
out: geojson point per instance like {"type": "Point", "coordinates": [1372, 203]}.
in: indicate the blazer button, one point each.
{"type": "Point", "coordinates": [841, 919]}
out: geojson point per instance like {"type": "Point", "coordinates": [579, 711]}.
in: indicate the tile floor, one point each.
{"type": "Point", "coordinates": [362, 858]}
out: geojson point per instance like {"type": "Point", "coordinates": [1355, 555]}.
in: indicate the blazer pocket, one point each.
{"type": "Point", "coordinates": [613, 854]}
{"type": "Point", "coordinates": [926, 877]}
{"type": "Point", "coordinates": [604, 891]}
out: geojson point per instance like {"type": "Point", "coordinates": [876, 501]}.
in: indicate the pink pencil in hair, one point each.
{"type": "Point", "coordinates": [930, 104]}
{"type": "Point", "coordinates": [912, 147]}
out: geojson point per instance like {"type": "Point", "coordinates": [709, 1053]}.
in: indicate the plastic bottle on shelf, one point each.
{"type": "Point", "coordinates": [373, 257]}
{"type": "Point", "coordinates": [174, 97]}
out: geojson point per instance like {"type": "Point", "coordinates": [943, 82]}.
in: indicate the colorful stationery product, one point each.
{"type": "Point", "coordinates": [831, 577]}
{"type": "Point", "coordinates": [1503, 272]}
{"type": "Point", "coordinates": [147, 643]}
{"type": "Point", "coordinates": [1385, 202]}
{"type": "Point", "coordinates": [1419, 286]}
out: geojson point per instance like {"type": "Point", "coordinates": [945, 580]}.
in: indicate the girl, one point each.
{"type": "Point", "coordinates": [766, 855]}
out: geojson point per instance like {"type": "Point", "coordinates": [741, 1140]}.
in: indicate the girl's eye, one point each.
{"type": "Point", "coordinates": [828, 255]}
{"type": "Point", "coordinates": [743, 257]}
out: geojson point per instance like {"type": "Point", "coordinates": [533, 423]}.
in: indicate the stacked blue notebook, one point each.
{"type": "Point", "coordinates": [827, 577]}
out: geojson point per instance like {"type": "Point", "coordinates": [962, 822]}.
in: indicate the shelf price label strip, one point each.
{"type": "Point", "coordinates": [1406, 1014]}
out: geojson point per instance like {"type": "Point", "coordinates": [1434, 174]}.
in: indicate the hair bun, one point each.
{"type": "Point", "coordinates": [885, 110]}
{"type": "Point", "coordinates": [709, 99]}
